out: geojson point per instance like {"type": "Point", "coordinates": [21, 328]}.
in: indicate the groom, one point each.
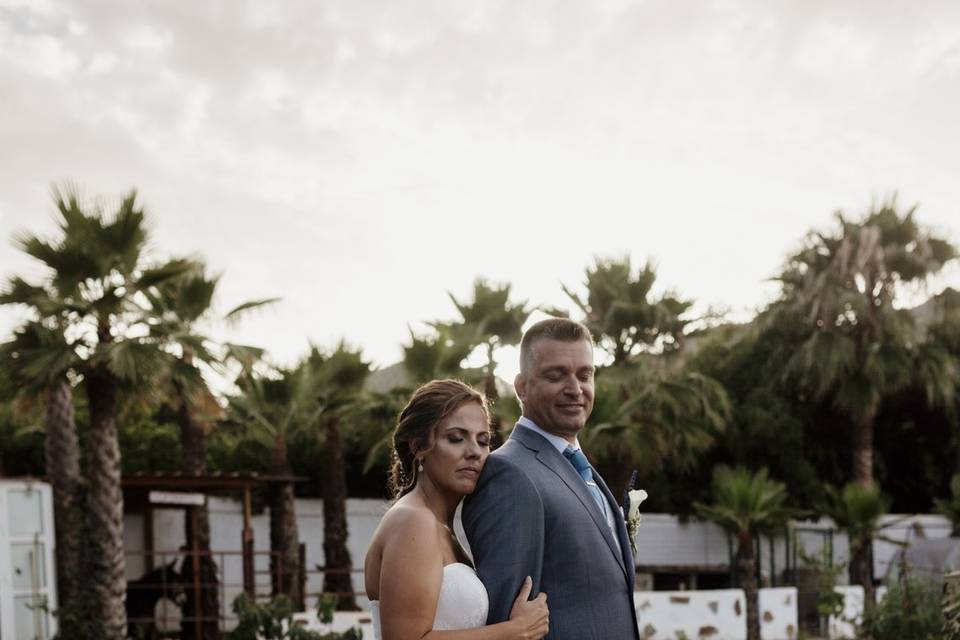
{"type": "Point", "coordinates": [541, 510]}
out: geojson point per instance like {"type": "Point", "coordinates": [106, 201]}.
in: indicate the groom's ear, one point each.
{"type": "Point", "coordinates": [520, 386]}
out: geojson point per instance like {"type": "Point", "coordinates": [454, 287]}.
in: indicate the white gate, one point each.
{"type": "Point", "coordinates": [28, 591]}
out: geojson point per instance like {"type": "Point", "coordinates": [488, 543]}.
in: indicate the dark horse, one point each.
{"type": "Point", "coordinates": [143, 595]}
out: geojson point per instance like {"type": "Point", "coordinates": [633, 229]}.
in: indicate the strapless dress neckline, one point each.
{"type": "Point", "coordinates": [462, 603]}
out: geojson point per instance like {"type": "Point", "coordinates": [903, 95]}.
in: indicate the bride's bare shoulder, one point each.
{"type": "Point", "coordinates": [408, 522]}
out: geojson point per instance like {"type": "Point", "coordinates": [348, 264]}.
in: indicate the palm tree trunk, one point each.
{"type": "Point", "coordinates": [62, 453]}
{"type": "Point", "coordinates": [490, 391]}
{"type": "Point", "coordinates": [863, 429]}
{"type": "Point", "coordinates": [284, 536]}
{"type": "Point", "coordinates": [862, 561]}
{"type": "Point", "coordinates": [862, 448]}
{"type": "Point", "coordinates": [105, 504]}
{"type": "Point", "coordinates": [337, 561]}
{"type": "Point", "coordinates": [197, 529]}
{"type": "Point", "coordinates": [618, 472]}
{"type": "Point", "coordinates": [747, 579]}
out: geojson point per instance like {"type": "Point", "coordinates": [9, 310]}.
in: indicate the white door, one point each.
{"type": "Point", "coordinates": [27, 571]}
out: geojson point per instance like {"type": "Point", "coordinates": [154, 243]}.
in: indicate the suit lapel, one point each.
{"type": "Point", "coordinates": [620, 525]}
{"type": "Point", "coordinates": [554, 460]}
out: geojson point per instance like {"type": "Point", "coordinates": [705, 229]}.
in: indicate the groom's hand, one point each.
{"type": "Point", "coordinates": [532, 617]}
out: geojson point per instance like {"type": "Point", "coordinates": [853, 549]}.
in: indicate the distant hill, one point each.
{"type": "Point", "coordinates": [396, 376]}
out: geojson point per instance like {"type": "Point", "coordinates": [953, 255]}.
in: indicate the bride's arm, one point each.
{"type": "Point", "coordinates": [411, 574]}
{"type": "Point", "coordinates": [411, 571]}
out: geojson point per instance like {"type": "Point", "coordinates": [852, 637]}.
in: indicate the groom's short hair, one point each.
{"type": "Point", "coordinates": [561, 329]}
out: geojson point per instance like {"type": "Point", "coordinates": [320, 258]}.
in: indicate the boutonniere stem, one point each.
{"type": "Point", "coordinates": [631, 510]}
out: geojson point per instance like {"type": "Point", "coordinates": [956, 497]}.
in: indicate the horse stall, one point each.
{"type": "Point", "coordinates": [28, 577]}
{"type": "Point", "coordinates": [168, 586]}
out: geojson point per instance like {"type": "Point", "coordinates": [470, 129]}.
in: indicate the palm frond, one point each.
{"type": "Point", "coordinates": [242, 310]}
{"type": "Point", "coordinates": [164, 273]}
{"type": "Point", "coordinates": [133, 361]}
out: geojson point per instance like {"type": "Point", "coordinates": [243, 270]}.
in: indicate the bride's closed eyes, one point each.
{"type": "Point", "coordinates": [456, 435]}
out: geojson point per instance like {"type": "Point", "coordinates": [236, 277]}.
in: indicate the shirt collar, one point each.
{"type": "Point", "coordinates": [560, 444]}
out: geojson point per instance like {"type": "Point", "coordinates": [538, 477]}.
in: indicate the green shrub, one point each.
{"type": "Point", "coordinates": [274, 621]}
{"type": "Point", "coordinates": [951, 607]}
{"type": "Point", "coordinates": [910, 610]}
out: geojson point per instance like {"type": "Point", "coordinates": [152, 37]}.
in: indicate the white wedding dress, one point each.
{"type": "Point", "coordinates": [462, 604]}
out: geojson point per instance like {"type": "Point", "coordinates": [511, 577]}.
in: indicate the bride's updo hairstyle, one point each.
{"type": "Point", "coordinates": [417, 427]}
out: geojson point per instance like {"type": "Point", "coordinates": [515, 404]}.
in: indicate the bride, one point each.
{"type": "Point", "coordinates": [420, 581]}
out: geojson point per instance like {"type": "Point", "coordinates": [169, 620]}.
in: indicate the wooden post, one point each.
{"type": "Point", "coordinates": [148, 558]}
{"type": "Point", "coordinates": [302, 577]}
{"type": "Point", "coordinates": [248, 582]}
{"type": "Point", "coordinates": [197, 599]}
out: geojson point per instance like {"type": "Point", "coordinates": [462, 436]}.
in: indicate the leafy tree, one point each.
{"type": "Point", "coordinates": [856, 348]}
{"type": "Point", "coordinates": [149, 445]}
{"type": "Point", "coordinates": [97, 273]}
{"type": "Point", "coordinates": [21, 443]}
{"type": "Point", "coordinates": [746, 504]}
{"type": "Point", "coordinates": [770, 423]}
{"type": "Point", "coordinates": [622, 315]}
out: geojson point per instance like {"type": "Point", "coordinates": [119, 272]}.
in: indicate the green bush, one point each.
{"type": "Point", "coordinates": [951, 607]}
{"type": "Point", "coordinates": [910, 610]}
{"type": "Point", "coordinates": [274, 621]}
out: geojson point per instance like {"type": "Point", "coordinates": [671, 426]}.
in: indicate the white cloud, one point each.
{"type": "Point", "coordinates": [360, 159]}
{"type": "Point", "coordinates": [147, 39]}
{"type": "Point", "coordinates": [41, 56]}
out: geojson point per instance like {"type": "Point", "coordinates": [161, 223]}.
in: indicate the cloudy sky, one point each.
{"type": "Point", "coordinates": [361, 158]}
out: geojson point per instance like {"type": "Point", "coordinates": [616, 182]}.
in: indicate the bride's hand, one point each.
{"type": "Point", "coordinates": [532, 617]}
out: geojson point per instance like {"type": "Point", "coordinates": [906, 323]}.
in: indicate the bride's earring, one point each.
{"type": "Point", "coordinates": [419, 465]}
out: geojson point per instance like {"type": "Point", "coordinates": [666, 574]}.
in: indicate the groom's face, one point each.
{"type": "Point", "coordinates": [557, 389]}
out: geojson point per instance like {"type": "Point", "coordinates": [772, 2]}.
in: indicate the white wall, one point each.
{"type": "Point", "coordinates": [662, 540]}
{"type": "Point", "coordinates": [844, 626]}
{"type": "Point", "coordinates": [719, 614]}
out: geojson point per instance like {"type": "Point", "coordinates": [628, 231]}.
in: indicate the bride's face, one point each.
{"type": "Point", "coordinates": [461, 447]}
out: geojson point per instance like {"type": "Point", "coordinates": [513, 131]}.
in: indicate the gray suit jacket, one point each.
{"type": "Point", "coordinates": [531, 514]}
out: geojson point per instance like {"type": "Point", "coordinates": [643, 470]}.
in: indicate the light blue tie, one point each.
{"type": "Point", "coordinates": [579, 462]}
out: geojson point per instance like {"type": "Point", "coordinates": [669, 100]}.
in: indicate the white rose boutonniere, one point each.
{"type": "Point", "coordinates": [632, 516]}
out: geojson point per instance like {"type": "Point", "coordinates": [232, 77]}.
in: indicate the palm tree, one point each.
{"type": "Point", "coordinates": [276, 406]}
{"type": "Point", "coordinates": [620, 313]}
{"type": "Point", "coordinates": [39, 359]}
{"type": "Point", "coordinates": [97, 277]}
{"type": "Point", "coordinates": [858, 510]}
{"type": "Point", "coordinates": [746, 504]}
{"type": "Point", "coordinates": [491, 321]}
{"type": "Point", "coordinates": [647, 411]}
{"type": "Point", "coordinates": [856, 346]}
{"type": "Point", "coordinates": [338, 385]}
{"type": "Point", "coordinates": [180, 306]}
{"type": "Point", "coordinates": [428, 356]}
{"type": "Point", "coordinates": [645, 417]}
{"type": "Point", "coordinates": [435, 355]}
